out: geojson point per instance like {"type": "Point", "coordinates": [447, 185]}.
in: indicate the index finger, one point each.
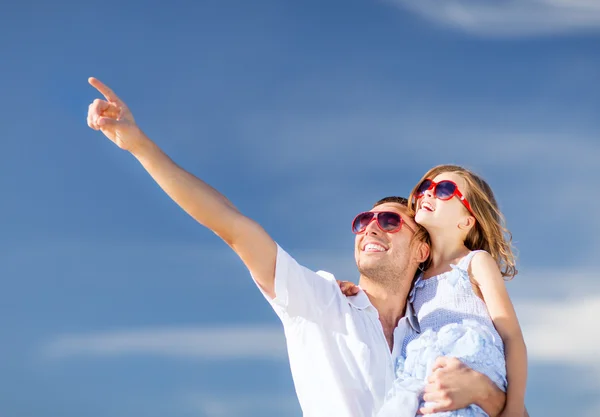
{"type": "Point", "coordinates": [104, 90]}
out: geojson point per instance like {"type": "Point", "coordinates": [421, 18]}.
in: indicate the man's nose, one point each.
{"type": "Point", "coordinates": [372, 227]}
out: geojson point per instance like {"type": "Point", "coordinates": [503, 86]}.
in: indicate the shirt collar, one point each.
{"type": "Point", "coordinates": [361, 301]}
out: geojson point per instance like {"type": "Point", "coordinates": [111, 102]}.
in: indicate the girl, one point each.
{"type": "Point", "coordinates": [460, 298]}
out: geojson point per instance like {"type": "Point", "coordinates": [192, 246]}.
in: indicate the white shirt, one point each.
{"type": "Point", "coordinates": [340, 360]}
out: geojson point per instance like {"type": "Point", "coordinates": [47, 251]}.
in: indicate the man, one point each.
{"type": "Point", "coordinates": [341, 349]}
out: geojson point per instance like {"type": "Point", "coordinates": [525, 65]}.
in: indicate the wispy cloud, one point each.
{"type": "Point", "coordinates": [592, 411]}
{"type": "Point", "coordinates": [242, 404]}
{"type": "Point", "coordinates": [258, 342]}
{"type": "Point", "coordinates": [319, 142]}
{"type": "Point", "coordinates": [562, 331]}
{"type": "Point", "coordinates": [512, 18]}
{"type": "Point", "coordinates": [546, 324]}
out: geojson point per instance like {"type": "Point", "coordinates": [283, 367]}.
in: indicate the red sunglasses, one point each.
{"type": "Point", "coordinates": [388, 221]}
{"type": "Point", "coordinates": [443, 190]}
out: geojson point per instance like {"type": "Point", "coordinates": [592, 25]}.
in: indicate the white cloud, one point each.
{"type": "Point", "coordinates": [562, 331]}
{"type": "Point", "coordinates": [242, 404]}
{"type": "Point", "coordinates": [555, 308]}
{"type": "Point", "coordinates": [511, 18]}
{"type": "Point", "coordinates": [555, 330]}
{"type": "Point", "coordinates": [258, 342]}
{"type": "Point", "coordinates": [328, 142]}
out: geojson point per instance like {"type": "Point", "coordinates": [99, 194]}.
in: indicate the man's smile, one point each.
{"type": "Point", "coordinates": [374, 247]}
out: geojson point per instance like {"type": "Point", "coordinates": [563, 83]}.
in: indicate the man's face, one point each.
{"type": "Point", "coordinates": [383, 256]}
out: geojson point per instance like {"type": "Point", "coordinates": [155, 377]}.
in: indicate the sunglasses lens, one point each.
{"type": "Point", "coordinates": [362, 221]}
{"type": "Point", "coordinates": [423, 187]}
{"type": "Point", "coordinates": [389, 221]}
{"type": "Point", "coordinates": [445, 190]}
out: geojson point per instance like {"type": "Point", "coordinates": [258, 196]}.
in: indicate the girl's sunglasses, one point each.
{"type": "Point", "coordinates": [388, 221]}
{"type": "Point", "coordinates": [443, 190]}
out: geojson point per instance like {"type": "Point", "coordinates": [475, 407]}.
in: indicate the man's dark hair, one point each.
{"type": "Point", "coordinates": [392, 199]}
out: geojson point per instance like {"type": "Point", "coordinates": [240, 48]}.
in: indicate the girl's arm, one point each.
{"type": "Point", "coordinates": [486, 275]}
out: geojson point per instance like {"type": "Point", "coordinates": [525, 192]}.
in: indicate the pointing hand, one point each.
{"type": "Point", "coordinates": [113, 118]}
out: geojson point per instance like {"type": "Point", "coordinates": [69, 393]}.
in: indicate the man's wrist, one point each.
{"type": "Point", "coordinates": [483, 392]}
{"type": "Point", "coordinates": [144, 147]}
{"type": "Point", "coordinates": [487, 395]}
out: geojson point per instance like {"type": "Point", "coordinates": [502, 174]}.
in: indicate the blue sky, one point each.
{"type": "Point", "coordinates": [115, 303]}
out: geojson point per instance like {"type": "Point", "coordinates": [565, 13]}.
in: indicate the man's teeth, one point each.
{"type": "Point", "coordinates": [373, 247]}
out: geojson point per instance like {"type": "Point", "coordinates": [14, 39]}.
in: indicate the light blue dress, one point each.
{"type": "Point", "coordinates": [454, 322]}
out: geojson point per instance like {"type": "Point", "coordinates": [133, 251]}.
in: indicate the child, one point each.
{"type": "Point", "coordinates": [461, 300]}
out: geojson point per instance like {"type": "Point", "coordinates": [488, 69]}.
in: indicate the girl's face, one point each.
{"type": "Point", "coordinates": [434, 213]}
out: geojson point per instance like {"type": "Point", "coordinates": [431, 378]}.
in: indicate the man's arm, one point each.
{"type": "Point", "coordinates": [210, 208]}
{"type": "Point", "coordinates": [453, 385]}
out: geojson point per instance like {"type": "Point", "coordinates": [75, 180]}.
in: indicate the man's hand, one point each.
{"type": "Point", "coordinates": [452, 385]}
{"type": "Point", "coordinates": [113, 118]}
{"type": "Point", "coordinates": [348, 288]}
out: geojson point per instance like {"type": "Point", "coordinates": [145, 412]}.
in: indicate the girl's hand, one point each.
{"type": "Point", "coordinates": [348, 288]}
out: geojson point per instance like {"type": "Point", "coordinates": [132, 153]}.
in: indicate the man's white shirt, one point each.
{"type": "Point", "coordinates": [339, 358]}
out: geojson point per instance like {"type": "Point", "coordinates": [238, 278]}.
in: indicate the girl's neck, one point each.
{"type": "Point", "coordinates": [446, 249]}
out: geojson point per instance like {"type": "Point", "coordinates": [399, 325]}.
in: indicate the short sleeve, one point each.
{"type": "Point", "coordinates": [300, 292]}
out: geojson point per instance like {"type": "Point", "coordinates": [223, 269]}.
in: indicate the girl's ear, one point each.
{"type": "Point", "coordinates": [466, 223]}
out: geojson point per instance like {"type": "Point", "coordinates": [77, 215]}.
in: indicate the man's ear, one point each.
{"type": "Point", "coordinates": [423, 252]}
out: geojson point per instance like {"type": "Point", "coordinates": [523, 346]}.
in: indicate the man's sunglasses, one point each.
{"type": "Point", "coordinates": [388, 221]}
{"type": "Point", "coordinates": [443, 190]}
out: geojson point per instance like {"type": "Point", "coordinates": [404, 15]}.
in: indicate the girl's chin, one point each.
{"type": "Point", "coordinates": [421, 218]}
{"type": "Point", "coordinates": [425, 219]}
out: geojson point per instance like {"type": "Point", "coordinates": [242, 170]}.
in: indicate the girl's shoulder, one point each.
{"type": "Point", "coordinates": [475, 255]}
{"type": "Point", "coordinates": [483, 267]}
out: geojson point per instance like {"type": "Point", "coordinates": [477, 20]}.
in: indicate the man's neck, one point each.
{"type": "Point", "coordinates": [389, 302]}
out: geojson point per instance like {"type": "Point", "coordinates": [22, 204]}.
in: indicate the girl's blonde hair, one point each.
{"type": "Point", "coordinates": [489, 232]}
